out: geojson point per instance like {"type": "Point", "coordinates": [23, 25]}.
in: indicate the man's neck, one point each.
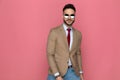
{"type": "Point", "coordinates": [67, 25]}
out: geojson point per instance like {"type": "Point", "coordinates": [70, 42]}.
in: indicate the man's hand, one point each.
{"type": "Point", "coordinates": [59, 78]}
{"type": "Point", "coordinates": [81, 76]}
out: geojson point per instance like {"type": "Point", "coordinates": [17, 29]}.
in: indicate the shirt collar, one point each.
{"type": "Point", "coordinates": [65, 27]}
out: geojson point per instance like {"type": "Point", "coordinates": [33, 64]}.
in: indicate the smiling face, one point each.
{"type": "Point", "coordinates": [69, 16]}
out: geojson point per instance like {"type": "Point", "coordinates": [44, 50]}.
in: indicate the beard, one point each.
{"type": "Point", "coordinates": [68, 23]}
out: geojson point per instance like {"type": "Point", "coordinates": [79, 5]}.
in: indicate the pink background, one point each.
{"type": "Point", "coordinates": [24, 27]}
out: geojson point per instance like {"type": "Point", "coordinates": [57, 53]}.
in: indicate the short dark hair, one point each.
{"type": "Point", "coordinates": [69, 6]}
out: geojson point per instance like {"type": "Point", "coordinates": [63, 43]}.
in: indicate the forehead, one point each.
{"type": "Point", "coordinates": [69, 11]}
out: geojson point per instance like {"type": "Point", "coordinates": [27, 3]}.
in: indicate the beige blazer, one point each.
{"type": "Point", "coordinates": [58, 53]}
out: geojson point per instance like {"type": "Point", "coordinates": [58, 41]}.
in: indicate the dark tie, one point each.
{"type": "Point", "coordinates": [68, 36]}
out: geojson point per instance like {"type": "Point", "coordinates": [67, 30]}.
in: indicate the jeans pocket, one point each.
{"type": "Point", "coordinates": [50, 77]}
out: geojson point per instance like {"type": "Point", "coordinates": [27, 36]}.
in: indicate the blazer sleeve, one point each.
{"type": "Point", "coordinates": [79, 57]}
{"type": "Point", "coordinates": [51, 51]}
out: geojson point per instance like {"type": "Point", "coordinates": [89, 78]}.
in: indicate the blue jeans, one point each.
{"type": "Point", "coordinates": [70, 75]}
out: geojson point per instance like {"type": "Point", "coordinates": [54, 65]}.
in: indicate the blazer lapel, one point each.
{"type": "Point", "coordinates": [64, 37]}
{"type": "Point", "coordinates": [74, 40]}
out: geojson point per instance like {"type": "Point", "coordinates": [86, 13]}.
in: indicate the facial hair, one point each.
{"type": "Point", "coordinates": [68, 24]}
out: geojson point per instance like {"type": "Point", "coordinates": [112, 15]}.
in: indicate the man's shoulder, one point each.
{"type": "Point", "coordinates": [56, 28]}
{"type": "Point", "coordinates": [78, 32]}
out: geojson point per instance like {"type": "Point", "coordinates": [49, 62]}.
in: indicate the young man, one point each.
{"type": "Point", "coordinates": [63, 49]}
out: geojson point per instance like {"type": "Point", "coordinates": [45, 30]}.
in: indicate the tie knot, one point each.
{"type": "Point", "coordinates": [69, 29]}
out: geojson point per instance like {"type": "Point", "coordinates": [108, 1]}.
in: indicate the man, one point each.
{"type": "Point", "coordinates": [63, 49]}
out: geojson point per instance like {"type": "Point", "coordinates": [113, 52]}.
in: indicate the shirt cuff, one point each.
{"type": "Point", "coordinates": [81, 72]}
{"type": "Point", "coordinates": [56, 74]}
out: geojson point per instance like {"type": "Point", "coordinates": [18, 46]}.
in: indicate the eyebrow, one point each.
{"type": "Point", "coordinates": [70, 14]}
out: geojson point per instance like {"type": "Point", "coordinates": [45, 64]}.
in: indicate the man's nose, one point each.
{"type": "Point", "coordinates": [69, 17]}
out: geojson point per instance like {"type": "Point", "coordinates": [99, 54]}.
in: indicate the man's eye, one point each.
{"type": "Point", "coordinates": [66, 16]}
{"type": "Point", "coordinates": [72, 16]}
